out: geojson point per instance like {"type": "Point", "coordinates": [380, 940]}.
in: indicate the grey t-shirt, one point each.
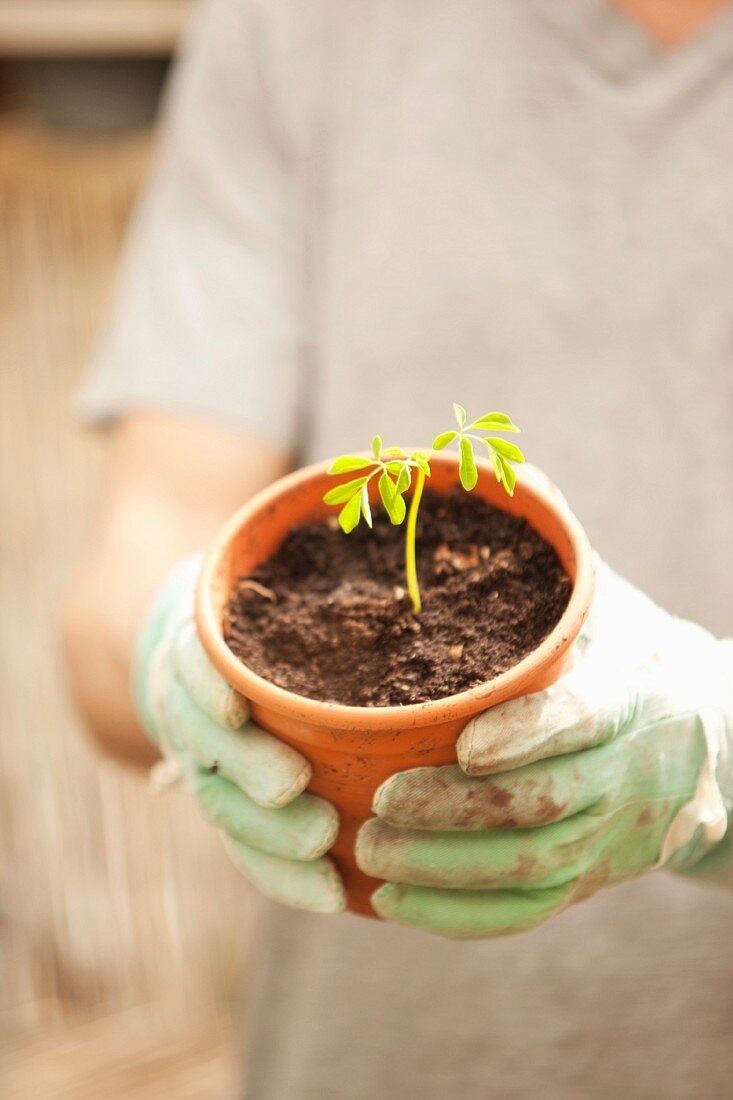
{"type": "Point", "coordinates": [364, 210]}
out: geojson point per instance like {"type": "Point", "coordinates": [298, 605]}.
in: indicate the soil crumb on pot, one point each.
{"type": "Point", "coordinates": [328, 616]}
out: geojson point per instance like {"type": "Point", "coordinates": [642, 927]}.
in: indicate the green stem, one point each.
{"type": "Point", "coordinates": [410, 568]}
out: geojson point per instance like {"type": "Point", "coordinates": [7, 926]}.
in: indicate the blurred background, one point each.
{"type": "Point", "coordinates": [117, 944]}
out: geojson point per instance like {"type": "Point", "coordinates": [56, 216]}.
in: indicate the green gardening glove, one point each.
{"type": "Point", "coordinates": [245, 781]}
{"type": "Point", "coordinates": [623, 766]}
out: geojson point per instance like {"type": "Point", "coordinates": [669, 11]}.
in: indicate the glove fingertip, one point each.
{"type": "Point", "coordinates": [337, 892]}
{"type": "Point", "coordinates": [368, 847]}
{"type": "Point", "coordinates": [383, 795]}
{"type": "Point", "coordinates": [211, 692]}
{"type": "Point", "coordinates": [466, 746]}
{"type": "Point", "coordinates": [488, 743]}
{"type": "Point", "coordinates": [381, 896]}
{"type": "Point", "coordinates": [333, 830]}
{"type": "Point", "coordinates": [237, 710]}
{"type": "Point", "coordinates": [329, 830]}
{"type": "Point", "coordinates": [283, 796]}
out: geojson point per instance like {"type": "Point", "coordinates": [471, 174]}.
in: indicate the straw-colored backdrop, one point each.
{"type": "Point", "coordinates": [124, 929]}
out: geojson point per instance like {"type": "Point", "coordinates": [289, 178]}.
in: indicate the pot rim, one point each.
{"type": "Point", "coordinates": [534, 484]}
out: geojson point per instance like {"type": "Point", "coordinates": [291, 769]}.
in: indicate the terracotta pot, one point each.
{"type": "Point", "coordinates": [353, 749]}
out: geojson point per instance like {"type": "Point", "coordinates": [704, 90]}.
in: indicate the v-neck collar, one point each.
{"type": "Point", "coordinates": [624, 51]}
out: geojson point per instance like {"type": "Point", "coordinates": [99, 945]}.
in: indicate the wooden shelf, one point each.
{"type": "Point", "coordinates": [65, 28]}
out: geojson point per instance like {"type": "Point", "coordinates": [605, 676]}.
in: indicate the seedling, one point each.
{"type": "Point", "coordinates": [394, 467]}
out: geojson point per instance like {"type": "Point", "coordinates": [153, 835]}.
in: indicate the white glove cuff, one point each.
{"type": "Point", "coordinates": [708, 806]}
{"type": "Point", "coordinates": [711, 803]}
{"type": "Point", "coordinates": [726, 647]}
{"type": "Point", "coordinates": [725, 762]}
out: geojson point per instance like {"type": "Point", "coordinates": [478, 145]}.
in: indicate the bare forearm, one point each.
{"type": "Point", "coordinates": [105, 603]}
{"type": "Point", "coordinates": [172, 484]}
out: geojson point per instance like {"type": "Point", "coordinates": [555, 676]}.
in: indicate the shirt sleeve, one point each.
{"type": "Point", "coordinates": [208, 313]}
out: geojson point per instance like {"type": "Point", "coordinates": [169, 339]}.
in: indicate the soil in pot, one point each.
{"type": "Point", "coordinates": [328, 616]}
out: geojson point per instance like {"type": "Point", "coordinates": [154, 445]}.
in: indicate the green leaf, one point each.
{"type": "Point", "coordinates": [422, 462]}
{"type": "Point", "coordinates": [507, 450]}
{"type": "Point", "coordinates": [347, 463]}
{"type": "Point", "coordinates": [340, 493]}
{"type": "Point", "coordinates": [399, 510]}
{"type": "Point", "coordinates": [489, 425]}
{"type": "Point", "coordinates": [377, 446]}
{"type": "Point", "coordinates": [467, 470]}
{"type": "Point", "coordinates": [365, 509]}
{"type": "Point", "coordinates": [443, 440]}
{"type": "Point", "coordinates": [404, 479]}
{"type": "Point", "coordinates": [350, 514]}
{"type": "Point", "coordinates": [394, 467]}
{"type": "Point", "coordinates": [395, 451]}
{"type": "Point", "coordinates": [496, 421]}
{"type": "Point", "coordinates": [460, 414]}
{"type": "Point", "coordinates": [496, 462]}
{"type": "Point", "coordinates": [394, 505]}
{"type": "Point", "coordinates": [386, 490]}
{"type": "Point", "coordinates": [509, 478]}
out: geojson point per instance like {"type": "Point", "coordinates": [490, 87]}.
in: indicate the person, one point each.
{"type": "Point", "coordinates": [362, 212]}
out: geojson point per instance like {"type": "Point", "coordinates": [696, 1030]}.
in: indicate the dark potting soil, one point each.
{"type": "Point", "coordinates": [328, 616]}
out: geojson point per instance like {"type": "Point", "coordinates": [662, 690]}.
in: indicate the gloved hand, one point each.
{"type": "Point", "coordinates": [245, 781]}
{"type": "Point", "coordinates": [622, 766]}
